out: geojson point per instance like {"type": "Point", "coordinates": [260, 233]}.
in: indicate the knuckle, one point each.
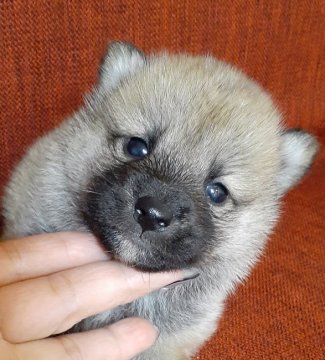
{"type": "Point", "coordinates": [10, 352]}
{"type": "Point", "coordinates": [8, 317]}
{"type": "Point", "coordinates": [62, 286]}
{"type": "Point", "coordinates": [10, 253]}
{"type": "Point", "coordinates": [117, 348]}
{"type": "Point", "coordinates": [71, 348]}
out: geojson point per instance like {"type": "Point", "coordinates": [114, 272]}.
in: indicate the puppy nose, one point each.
{"type": "Point", "coordinates": [152, 214]}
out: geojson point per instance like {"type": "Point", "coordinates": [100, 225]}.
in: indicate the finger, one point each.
{"type": "Point", "coordinates": [44, 254]}
{"type": "Point", "coordinates": [120, 341]}
{"type": "Point", "coordinates": [41, 307]}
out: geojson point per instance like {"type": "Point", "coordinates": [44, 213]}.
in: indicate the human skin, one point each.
{"type": "Point", "coordinates": [47, 284]}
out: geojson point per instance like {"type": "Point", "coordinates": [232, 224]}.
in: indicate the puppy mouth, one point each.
{"type": "Point", "coordinates": [150, 255]}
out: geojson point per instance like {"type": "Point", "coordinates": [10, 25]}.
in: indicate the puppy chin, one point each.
{"type": "Point", "coordinates": [147, 257]}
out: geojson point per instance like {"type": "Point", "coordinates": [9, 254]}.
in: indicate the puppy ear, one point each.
{"type": "Point", "coordinates": [121, 60]}
{"type": "Point", "coordinates": [298, 149]}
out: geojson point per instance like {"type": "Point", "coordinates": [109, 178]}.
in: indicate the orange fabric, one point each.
{"type": "Point", "coordinates": [49, 55]}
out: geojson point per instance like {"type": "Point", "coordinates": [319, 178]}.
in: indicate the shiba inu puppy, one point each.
{"type": "Point", "coordinates": [173, 162]}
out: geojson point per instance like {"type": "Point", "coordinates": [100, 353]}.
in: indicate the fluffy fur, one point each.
{"type": "Point", "coordinates": [205, 122]}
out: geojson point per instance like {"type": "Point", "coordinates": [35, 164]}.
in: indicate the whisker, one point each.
{"type": "Point", "coordinates": [91, 192]}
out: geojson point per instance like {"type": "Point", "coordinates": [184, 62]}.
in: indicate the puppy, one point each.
{"type": "Point", "coordinates": [173, 162]}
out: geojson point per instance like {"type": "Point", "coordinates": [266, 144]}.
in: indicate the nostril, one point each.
{"type": "Point", "coordinates": [139, 211]}
{"type": "Point", "coordinates": [152, 214]}
{"type": "Point", "coordinates": [162, 223]}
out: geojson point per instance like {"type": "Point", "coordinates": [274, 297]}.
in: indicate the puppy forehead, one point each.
{"type": "Point", "coordinates": [202, 108]}
{"type": "Point", "coordinates": [190, 92]}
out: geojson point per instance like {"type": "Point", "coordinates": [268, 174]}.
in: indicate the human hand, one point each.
{"type": "Point", "coordinates": [50, 282]}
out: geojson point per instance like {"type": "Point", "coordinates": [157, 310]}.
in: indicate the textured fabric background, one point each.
{"type": "Point", "coordinates": [49, 54]}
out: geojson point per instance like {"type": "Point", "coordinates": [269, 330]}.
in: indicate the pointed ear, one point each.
{"type": "Point", "coordinates": [121, 60]}
{"type": "Point", "coordinates": [298, 149]}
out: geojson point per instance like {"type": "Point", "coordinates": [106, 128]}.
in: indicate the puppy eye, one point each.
{"type": "Point", "coordinates": [137, 148]}
{"type": "Point", "coordinates": [217, 192]}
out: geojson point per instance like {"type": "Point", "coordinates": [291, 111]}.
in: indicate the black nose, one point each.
{"type": "Point", "coordinates": [152, 214]}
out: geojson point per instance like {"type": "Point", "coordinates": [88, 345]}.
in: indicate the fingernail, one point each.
{"type": "Point", "coordinates": [189, 276]}
{"type": "Point", "coordinates": [189, 273]}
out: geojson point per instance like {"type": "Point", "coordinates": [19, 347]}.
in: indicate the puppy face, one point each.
{"type": "Point", "coordinates": [173, 162]}
{"type": "Point", "coordinates": [189, 163]}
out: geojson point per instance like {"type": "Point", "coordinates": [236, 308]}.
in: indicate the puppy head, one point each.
{"type": "Point", "coordinates": [191, 163]}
